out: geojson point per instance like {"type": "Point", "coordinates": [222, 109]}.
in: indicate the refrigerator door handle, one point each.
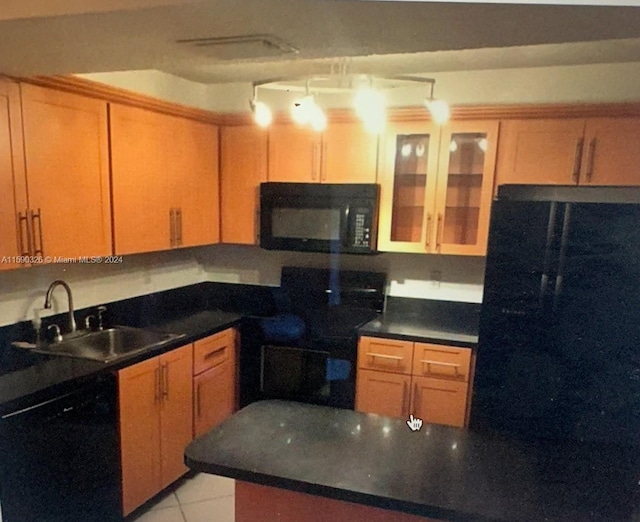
{"type": "Point", "coordinates": [544, 279]}
{"type": "Point", "coordinates": [563, 255]}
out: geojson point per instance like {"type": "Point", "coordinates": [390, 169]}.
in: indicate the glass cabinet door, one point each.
{"type": "Point", "coordinates": [465, 183]}
{"type": "Point", "coordinates": [408, 182]}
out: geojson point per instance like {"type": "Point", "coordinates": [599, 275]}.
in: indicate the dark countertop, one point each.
{"type": "Point", "coordinates": [27, 376]}
{"type": "Point", "coordinates": [440, 472]}
{"type": "Point", "coordinates": [440, 322]}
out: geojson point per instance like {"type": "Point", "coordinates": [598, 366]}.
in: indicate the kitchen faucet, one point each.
{"type": "Point", "coordinates": [47, 301]}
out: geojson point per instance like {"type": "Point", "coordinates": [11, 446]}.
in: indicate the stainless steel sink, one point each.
{"type": "Point", "coordinates": [105, 345]}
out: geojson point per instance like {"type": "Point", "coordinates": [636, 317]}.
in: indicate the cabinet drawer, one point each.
{"type": "Point", "coordinates": [442, 362]}
{"type": "Point", "coordinates": [213, 350]}
{"type": "Point", "coordinates": [385, 354]}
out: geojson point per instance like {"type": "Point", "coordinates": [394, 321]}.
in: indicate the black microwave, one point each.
{"type": "Point", "coordinates": [313, 217]}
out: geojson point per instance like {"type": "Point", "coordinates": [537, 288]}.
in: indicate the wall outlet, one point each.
{"type": "Point", "coordinates": [436, 277]}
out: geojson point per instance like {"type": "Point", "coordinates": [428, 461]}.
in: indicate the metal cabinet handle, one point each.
{"type": "Point", "coordinates": [214, 352]}
{"type": "Point", "coordinates": [25, 246]}
{"type": "Point", "coordinates": [323, 158]}
{"type": "Point", "coordinates": [405, 394]}
{"type": "Point", "coordinates": [429, 220]}
{"type": "Point", "coordinates": [172, 228]}
{"type": "Point", "coordinates": [37, 215]}
{"type": "Point", "coordinates": [577, 160]}
{"type": "Point", "coordinates": [198, 403]}
{"type": "Point", "coordinates": [158, 384]}
{"type": "Point", "coordinates": [314, 158]}
{"type": "Point", "coordinates": [439, 231]}
{"type": "Point", "coordinates": [179, 226]}
{"type": "Point", "coordinates": [165, 380]}
{"type": "Point", "coordinates": [383, 356]}
{"type": "Point", "coordinates": [428, 362]}
{"type": "Point", "coordinates": [591, 160]}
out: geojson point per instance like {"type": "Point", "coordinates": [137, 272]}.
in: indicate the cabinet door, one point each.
{"type": "Point", "coordinates": [67, 163]}
{"type": "Point", "coordinates": [383, 393]}
{"type": "Point", "coordinates": [195, 180]}
{"type": "Point", "coordinates": [176, 417]}
{"type": "Point", "coordinates": [611, 152]}
{"type": "Point", "coordinates": [540, 151]}
{"type": "Point", "coordinates": [14, 233]}
{"type": "Point", "coordinates": [140, 182]}
{"type": "Point", "coordinates": [139, 405]}
{"type": "Point", "coordinates": [407, 177]}
{"type": "Point", "coordinates": [214, 399]}
{"type": "Point", "coordinates": [465, 187]}
{"type": "Point", "coordinates": [294, 154]}
{"type": "Point", "coordinates": [439, 401]}
{"type": "Point", "coordinates": [243, 160]}
{"type": "Point", "coordinates": [389, 355]}
{"type": "Point", "coordinates": [349, 154]}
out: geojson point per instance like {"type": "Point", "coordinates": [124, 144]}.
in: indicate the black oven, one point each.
{"type": "Point", "coordinates": [314, 217]}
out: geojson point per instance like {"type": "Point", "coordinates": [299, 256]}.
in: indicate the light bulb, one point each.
{"type": "Point", "coordinates": [439, 110]}
{"type": "Point", "coordinates": [301, 110]}
{"type": "Point", "coordinates": [406, 150]}
{"type": "Point", "coordinates": [483, 144]}
{"type": "Point", "coordinates": [453, 146]}
{"type": "Point", "coordinates": [317, 119]}
{"type": "Point", "coordinates": [367, 101]}
{"type": "Point", "coordinates": [262, 114]}
{"type": "Point", "coordinates": [375, 123]}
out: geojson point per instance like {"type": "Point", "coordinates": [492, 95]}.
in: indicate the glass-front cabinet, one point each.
{"type": "Point", "coordinates": [436, 187]}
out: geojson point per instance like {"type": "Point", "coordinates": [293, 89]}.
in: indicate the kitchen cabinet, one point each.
{"type": "Point", "coordinates": [214, 380]}
{"type": "Point", "coordinates": [436, 187]}
{"type": "Point", "coordinates": [65, 212]}
{"type": "Point", "coordinates": [591, 151]}
{"type": "Point", "coordinates": [155, 407]}
{"type": "Point", "coordinates": [164, 181]}
{"type": "Point", "coordinates": [14, 237]}
{"type": "Point", "coordinates": [429, 381]}
{"type": "Point", "coordinates": [243, 166]}
{"type": "Point", "coordinates": [343, 153]}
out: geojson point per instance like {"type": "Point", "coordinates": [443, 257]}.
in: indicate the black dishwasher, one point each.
{"type": "Point", "coordinates": [59, 458]}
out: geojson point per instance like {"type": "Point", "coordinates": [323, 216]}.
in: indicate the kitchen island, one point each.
{"type": "Point", "coordinates": [318, 463]}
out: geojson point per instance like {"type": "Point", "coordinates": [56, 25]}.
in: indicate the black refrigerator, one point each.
{"type": "Point", "coordinates": [559, 344]}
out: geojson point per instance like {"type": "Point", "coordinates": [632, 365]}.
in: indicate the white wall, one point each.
{"type": "Point", "coordinates": [617, 82]}
{"type": "Point", "coordinates": [23, 290]}
{"type": "Point", "coordinates": [409, 275]}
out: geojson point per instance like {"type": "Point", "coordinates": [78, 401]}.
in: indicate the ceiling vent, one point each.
{"type": "Point", "coordinates": [241, 47]}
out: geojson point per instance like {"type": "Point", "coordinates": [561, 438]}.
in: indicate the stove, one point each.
{"type": "Point", "coordinates": [307, 352]}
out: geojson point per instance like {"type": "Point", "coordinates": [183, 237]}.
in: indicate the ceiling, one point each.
{"type": "Point", "coordinates": [80, 36]}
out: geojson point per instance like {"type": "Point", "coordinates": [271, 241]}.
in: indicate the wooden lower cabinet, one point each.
{"type": "Point", "coordinates": [383, 393]}
{"type": "Point", "coordinates": [437, 390]}
{"type": "Point", "coordinates": [439, 401]}
{"type": "Point", "coordinates": [257, 503]}
{"type": "Point", "coordinates": [214, 380]}
{"type": "Point", "coordinates": [155, 414]}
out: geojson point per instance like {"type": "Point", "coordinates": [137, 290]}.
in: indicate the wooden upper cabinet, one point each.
{"type": "Point", "coordinates": [14, 232]}
{"type": "Point", "coordinates": [164, 181]}
{"type": "Point", "coordinates": [196, 180]}
{"type": "Point", "coordinates": [407, 176]}
{"type": "Point", "coordinates": [243, 160]}
{"type": "Point", "coordinates": [611, 152]}
{"type": "Point", "coordinates": [142, 211]}
{"type": "Point", "coordinates": [349, 154]}
{"type": "Point", "coordinates": [343, 153]}
{"type": "Point", "coordinates": [540, 151]}
{"type": "Point", "coordinates": [465, 187]}
{"type": "Point", "coordinates": [436, 187]}
{"type": "Point", "coordinates": [67, 164]}
{"type": "Point", "coordinates": [294, 154]}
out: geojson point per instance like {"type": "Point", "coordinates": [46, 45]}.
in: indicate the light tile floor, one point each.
{"type": "Point", "coordinates": [200, 498]}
